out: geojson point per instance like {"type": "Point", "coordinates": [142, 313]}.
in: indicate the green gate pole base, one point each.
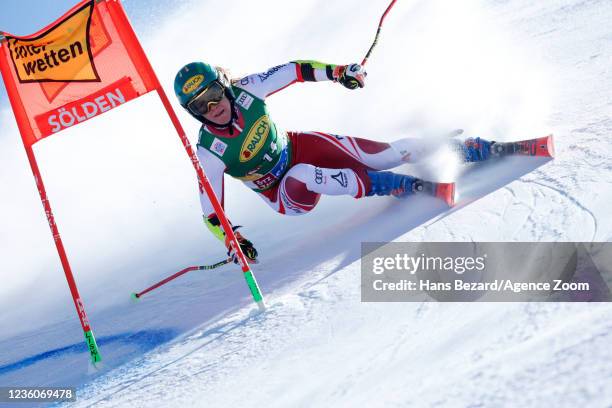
{"type": "Point", "coordinates": [94, 352]}
{"type": "Point", "coordinates": [254, 288]}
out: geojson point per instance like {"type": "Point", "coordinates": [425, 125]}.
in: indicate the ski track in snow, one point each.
{"type": "Point", "coordinates": [575, 203]}
{"type": "Point", "coordinates": [398, 337]}
{"type": "Point", "coordinates": [198, 342]}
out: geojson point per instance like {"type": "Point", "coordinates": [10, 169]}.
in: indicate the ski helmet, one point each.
{"type": "Point", "coordinates": [192, 79]}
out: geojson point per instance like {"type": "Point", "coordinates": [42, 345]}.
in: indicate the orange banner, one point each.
{"type": "Point", "coordinates": [60, 54]}
{"type": "Point", "coordinates": [82, 65]}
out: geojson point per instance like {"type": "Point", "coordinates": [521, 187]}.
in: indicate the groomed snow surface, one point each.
{"type": "Point", "coordinates": [125, 199]}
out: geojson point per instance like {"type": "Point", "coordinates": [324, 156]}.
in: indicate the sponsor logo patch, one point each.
{"type": "Point", "coordinates": [318, 175]}
{"type": "Point", "coordinates": [245, 100]}
{"type": "Point", "coordinates": [192, 83]}
{"type": "Point", "coordinates": [341, 179]}
{"type": "Point", "coordinates": [255, 139]}
{"type": "Point", "coordinates": [218, 147]}
{"type": "Point", "coordinates": [263, 77]}
{"type": "Point", "coordinates": [265, 181]}
{"type": "Point", "coordinates": [279, 168]}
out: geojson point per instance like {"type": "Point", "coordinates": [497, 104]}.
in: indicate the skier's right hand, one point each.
{"type": "Point", "coordinates": [246, 246]}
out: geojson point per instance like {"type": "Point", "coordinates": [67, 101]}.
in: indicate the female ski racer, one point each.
{"type": "Point", "coordinates": [289, 170]}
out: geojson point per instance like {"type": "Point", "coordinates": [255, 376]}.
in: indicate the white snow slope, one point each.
{"type": "Point", "coordinates": [125, 199]}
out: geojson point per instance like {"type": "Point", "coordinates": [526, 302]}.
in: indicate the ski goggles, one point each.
{"type": "Point", "coordinates": [206, 99]}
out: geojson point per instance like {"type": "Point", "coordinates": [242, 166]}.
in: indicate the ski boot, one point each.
{"type": "Point", "coordinates": [477, 149]}
{"type": "Point", "coordinates": [386, 183]}
{"type": "Point", "coordinates": [401, 186]}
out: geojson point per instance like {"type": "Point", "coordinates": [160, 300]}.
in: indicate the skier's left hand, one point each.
{"type": "Point", "coordinates": [352, 76]}
{"type": "Point", "coordinates": [246, 246]}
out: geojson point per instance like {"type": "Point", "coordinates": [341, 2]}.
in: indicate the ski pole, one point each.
{"type": "Point", "coordinates": [365, 59]}
{"type": "Point", "coordinates": [136, 296]}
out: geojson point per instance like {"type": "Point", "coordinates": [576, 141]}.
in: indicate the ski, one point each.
{"type": "Point", "coordinates": [540, 147]}
{"type": "Point", "coordinates": [443, 191]}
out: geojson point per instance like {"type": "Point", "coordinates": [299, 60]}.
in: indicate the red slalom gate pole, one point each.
{"type": "Point", "coordinates": [24, 129]}
{"type": "Point", "coordinates": [382, 19]}
{"type": "Point", "coordinates": [248, 274]}
{"type": "Point", "coordinates": [76, 297]}
{"type": "Point", "coordinates": [130, 37]}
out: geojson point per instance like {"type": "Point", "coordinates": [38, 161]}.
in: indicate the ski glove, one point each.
{"type": "Point", "coordinates": [214, 225]}
{"type": "Point", "coordinates": [351, 76]}
{"type": "Point", "coordinates": [247, 248]}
